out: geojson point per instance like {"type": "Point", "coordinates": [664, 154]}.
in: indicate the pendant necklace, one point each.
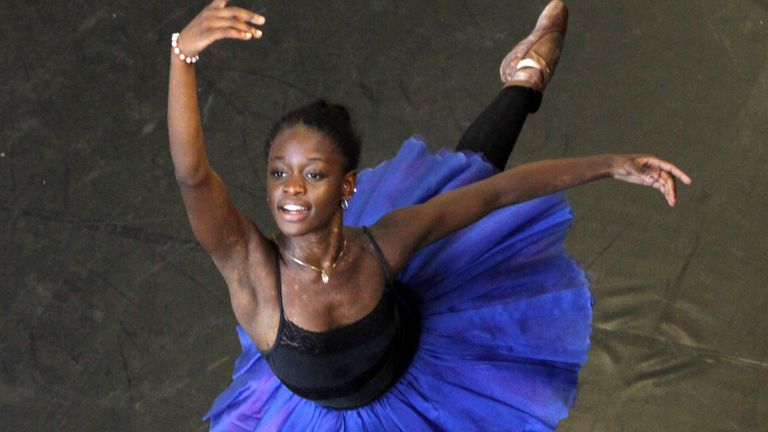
{"type": "Point", "coordinates": [323, 274]}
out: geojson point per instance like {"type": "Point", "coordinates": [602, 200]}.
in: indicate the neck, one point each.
{"type": "Point", "coordinates": [318, 248]}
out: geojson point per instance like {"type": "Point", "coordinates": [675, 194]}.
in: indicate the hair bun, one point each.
{"type": "Point", "coordinates": [334, 120]}
{"type": "Point", "coordinates": [333, 111]}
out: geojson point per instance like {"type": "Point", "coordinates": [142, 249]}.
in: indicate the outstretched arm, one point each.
{"type": "Point", "coordinates": [217, 225]}
{"type": "Point", "coordinates": [409, 229]}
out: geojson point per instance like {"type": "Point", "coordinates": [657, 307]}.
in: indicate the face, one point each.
{"type": "Point", "coordinates": [306, 181]}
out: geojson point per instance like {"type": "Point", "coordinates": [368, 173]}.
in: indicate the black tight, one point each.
{"type": "Point", "coordinates": [495, 131]}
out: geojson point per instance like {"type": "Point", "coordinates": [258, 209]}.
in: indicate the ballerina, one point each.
{"type": "Point", "coordinates": [429, 293]}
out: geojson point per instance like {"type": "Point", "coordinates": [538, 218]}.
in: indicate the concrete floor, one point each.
{"type": "Point", "coordinates": [113, 319]}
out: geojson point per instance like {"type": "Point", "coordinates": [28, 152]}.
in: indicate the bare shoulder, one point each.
{"type": "Point", "coordinates": [393, 240]}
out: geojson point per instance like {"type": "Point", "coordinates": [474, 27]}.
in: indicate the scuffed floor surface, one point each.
{"type": "Point", "coordinates": [114, 320]}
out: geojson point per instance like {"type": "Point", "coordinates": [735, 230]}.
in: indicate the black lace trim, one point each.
{"type": "Point", "coordinates": [300, 339]}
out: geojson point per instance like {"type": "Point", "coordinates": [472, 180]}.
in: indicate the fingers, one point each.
{"type": "Point", "coordinates": [233, 11]}
{"type": "Point", "coordinates": [658, 179]}
{"type": "Point", "coordinates": [233, 22]}
{"type": "Point", "coordinates": [665, 183]}
{"type": "Point", "coordinates": [654, 172]}
{"type": "Point", "coordinates": [243, 15]}
{"type": "Point", "coordinates": [232, 33]}
{"type": "Point", "coordinates": [217, 4]}
{"type": "Point", "coordinates": [672, 198]}
{"type": "Point", "coordinates": [224, 24]}
{"type": "Point", "coordinates": [666, 166]}
{"type": "Point", "coordinates": [668, 187]}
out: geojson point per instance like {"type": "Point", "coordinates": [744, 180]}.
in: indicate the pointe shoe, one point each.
{"type": "Point", "coordinates": [531, 63]}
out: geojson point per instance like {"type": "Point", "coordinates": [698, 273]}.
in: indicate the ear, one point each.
{"type": "Point", "coordinates": [349, 184]}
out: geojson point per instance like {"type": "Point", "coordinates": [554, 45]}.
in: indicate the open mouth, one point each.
{"type": "Point", "coordinates": [293, 211]}
{"type": "Point", "coordinates": [293, 208]}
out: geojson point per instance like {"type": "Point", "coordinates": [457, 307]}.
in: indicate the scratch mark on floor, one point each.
{"type": "Point", "coordinates": [165, 261]}
{"type": "Point", "coordinates": [199, 284]}
{"type": "Point", "coordinates": [127, 374]}
{"type": "Point", "coordinates": [605, 249]}
{"type": "Point", "coordinates": [265, 76]}
{"type": "Point", "coordinates": [106, 282]}
{"type": "Point", "coordinates": [111, 228]}
{"type": "Point", "coordinates": [216, 364]}
{"type": "Point", "coordinates": [673, 287]}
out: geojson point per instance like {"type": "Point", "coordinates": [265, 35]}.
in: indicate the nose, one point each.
{"type": "Point", "coordinates": [294, 185]}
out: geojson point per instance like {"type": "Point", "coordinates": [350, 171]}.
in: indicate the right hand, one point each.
{"type": "Point", "coordinates": [217, 21]}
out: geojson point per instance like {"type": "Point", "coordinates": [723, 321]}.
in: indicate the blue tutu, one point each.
{"type": "Point", "coordinates": [506, 317]}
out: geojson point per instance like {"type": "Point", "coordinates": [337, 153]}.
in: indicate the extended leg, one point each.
{"type": "Point", "coordinates": [525, 71]}
{"type": "Point", "coordinates": [494, 132]}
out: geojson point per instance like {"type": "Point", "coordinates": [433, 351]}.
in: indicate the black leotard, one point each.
{"type": "Point", "coordinates": [352, 365]}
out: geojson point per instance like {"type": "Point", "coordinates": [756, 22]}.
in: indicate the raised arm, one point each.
{"type": "Point", "coordinates": [217, 225]}
{"type": "Point", "coordinates": [408, 229]}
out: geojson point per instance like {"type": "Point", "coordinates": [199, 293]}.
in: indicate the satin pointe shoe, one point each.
{"type": "Point", "coordinates": [531, 63]}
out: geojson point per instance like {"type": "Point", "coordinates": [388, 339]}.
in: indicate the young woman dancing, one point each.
{"type": "Point", "coordinates": [429, 293]}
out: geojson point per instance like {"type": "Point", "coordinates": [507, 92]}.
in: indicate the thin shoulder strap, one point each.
{"type": "Point", "coordinates": [379, 255]}
{"type": "Point", "coordinates": [279, 284]}
{"type": "Point", "coordinates": [281, 322]}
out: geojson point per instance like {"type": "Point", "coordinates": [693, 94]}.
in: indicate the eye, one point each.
{"type": "Point", "coordinates": [315, 175]}
{"type": "Point", "coordinates": [277, 173]}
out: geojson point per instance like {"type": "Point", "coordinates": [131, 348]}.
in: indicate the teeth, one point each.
{"type": "Point", "coordinates": [293, 207]}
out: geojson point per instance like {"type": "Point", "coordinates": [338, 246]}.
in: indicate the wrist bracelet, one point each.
{"type": "Point", "coordinates": [176, 50]}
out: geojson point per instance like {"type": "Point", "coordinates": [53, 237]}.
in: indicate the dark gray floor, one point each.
{"type": "Point", "coordinates": [114, 320]}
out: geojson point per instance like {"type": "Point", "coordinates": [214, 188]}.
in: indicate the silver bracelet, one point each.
{"type": "Point", "coordinates": [176, 50]}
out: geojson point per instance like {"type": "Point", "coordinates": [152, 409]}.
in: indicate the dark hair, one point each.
{"type": "Point", "coordinates": [330, 119]}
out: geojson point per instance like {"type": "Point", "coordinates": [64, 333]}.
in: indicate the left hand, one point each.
{"type": "Point", "coordinates": [649, 171]}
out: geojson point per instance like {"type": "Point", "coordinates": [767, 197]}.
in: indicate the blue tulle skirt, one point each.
{"type": "Point", "coordinates": [505, 319]}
